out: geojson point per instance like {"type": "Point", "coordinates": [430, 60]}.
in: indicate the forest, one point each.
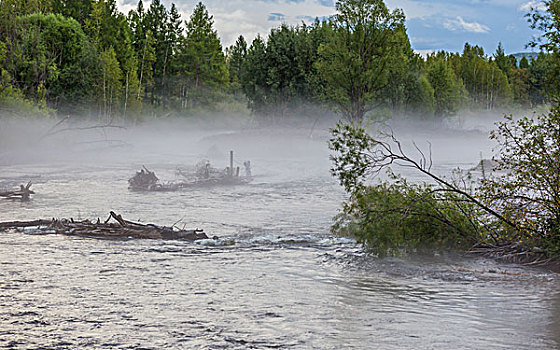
{"type": "Point", "coordinates": [84, 58]}
{"type": "Point", "coordinates": [511, 211]}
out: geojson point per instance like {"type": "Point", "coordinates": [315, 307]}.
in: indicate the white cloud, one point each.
{"type": "Point", "coordinates": [425, 53]}
{"type": "Point", "coordinates": [461, 25]}
{"type": "Point", "coordinates": [534, 4]}
{"type": "Point", "coordinates": [246, 17]}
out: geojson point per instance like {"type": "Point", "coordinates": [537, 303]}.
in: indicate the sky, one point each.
{"type": "Point", "coordinates": [432, 24]}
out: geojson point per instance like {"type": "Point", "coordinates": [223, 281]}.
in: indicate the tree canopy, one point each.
{"type": "Point", "coordinates": [356, 59]}
{"type": "Point", "coordinates": [359, 64]}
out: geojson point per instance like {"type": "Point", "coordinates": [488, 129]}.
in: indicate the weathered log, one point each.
{"type": "Point", "coordinates": [23, 193]}
{"type": "Point", "coordinates": [204, 176]}
{"type": "Point", "coordinates": [120, 228]}
{"type": "Point", "coordinates": [16, 224]}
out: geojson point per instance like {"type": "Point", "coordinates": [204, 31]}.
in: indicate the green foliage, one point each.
{"type": "Point", "coordinates": [528, 191]}
{"type": "Point", "coordinates": [420, 96]}
{"type": "Point", "coordinates": [548, 22]}
{"type": "Point", "coordinates": [359, 62]}
{"type": "Point", "coordinates": [12, 100]}
{"type": "Point", "coordinates": [237, 54]}
{"type": "Point", "coordinates": [146, 59]}
{"type": "Point", "coordinates": [283, 75]}
{"type": "Point", "coordinates": [356, 59]}
{"type": "Point", "coordinates": [519, 79]}
{"type": "Point", "coordinates": [538, 80]}
{"type": "Point", "coordinates": [50, 51]}
{"type": "Point", "coordinates": [11, 9]}
{"type": "Point", "coordinates": [109, 83]}
{"type": "Point", "coordinates": [76, 9]}
{"type": "Point", "coordinates": [485, 79]}
{"type": "Point", "coordinates": [503, 62]}
{"type": "Point", "coordinates": [518, 207]}
{"type": "Point", "coordinates": [400, 217]}
{"type": "Point", "coordinates": [254, 76]}
{"type": "Point", "coordinates": [524, 63]}
{"type": "Point", "coordinates": [279, 76]}
{"type": "Point", "coordinates": [396, 216]}
{"type": "Point", "coordinates": [201, 59]}
{"type": "Point", "coordinates": [448, 89]}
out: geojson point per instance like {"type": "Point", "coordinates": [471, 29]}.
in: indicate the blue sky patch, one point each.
{"type": "Point", "coordinates": [432, 24]}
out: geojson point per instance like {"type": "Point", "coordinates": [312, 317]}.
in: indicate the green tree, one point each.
{"type": "Point", "coordinates": [283, 75]}
{"type": "Point", "coordinates": [109, 84]}
{"type": "Point", "coordinates": [146, 59]}
{"type": "Point", "coordinates": [201, 59]}
{"type": "Point", "coordinates": [395, 216]}
{"type": "Point", "coordinates": [403, 70]}
{"type": "Point", "coordinates": [12, 100]}
{"type": "Point", "coordinates": [77, 9]}
{"type": "Point", "coordinates": [308, 41]}
{"type": "Point", "coordinates": [519, 78]}
{"type": "Point", "coordinates": [528, 192]}
{"type": "Point", "coordinates": [514, 213]}
{"type": "Point", "coordinates": [483, 77]}
{"type": "Point", "coordinates": [419, 96]}
{"type": "Point", "coordinates": [113, 38]}
{"type": "Point", "coordinates": [280, 77]}
{"type": "Point", "coordinates": [538, 79]}
{"type": "Point", "coordinates": [498, 91]}
{"type": "Point", "coordinates": [472, 64]}
{"type": "Point", "coordinates": [254, 76]}
{"type": "Point", "coordinates": [548, 22]}
{"type": "Point", "coordinates": [172, 40]}
{"type": "Point", "coordinates": [155, 20]}
{"type": "Point", "coordinates": [449, 93]}
{"type": "Point", "coordinates": [524, 63]}
{"type": "Point", "coordinates": [236, 55]}
{"type": "Point", "coordinates": [50, 53]}
{"type": "Point", "coordinates": [137, 23]}
{"type": "Point", "coordinates": [502, 61]}
{"type": "Point", "coordinates": [10, 10]}
{"type": "Point", "coordinates": [354, 63]}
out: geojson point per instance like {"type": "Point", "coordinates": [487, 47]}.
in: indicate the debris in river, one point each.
{"type": "Point", "coordinates": [23, 193]}
{"type": "Point", "coordinates": [120, 228]}
{"type": "Point", "coordinates": [146, 180]}
{"type": "Point", "coordinates": [204, 175]}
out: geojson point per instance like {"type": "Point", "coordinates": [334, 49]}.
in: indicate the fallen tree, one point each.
{"type": "Point", "coordinates": [204, 175]}
{"type": "Point", "coordinates": [512, 215]}
{"type": "Point", "coordinates": [118, 228]}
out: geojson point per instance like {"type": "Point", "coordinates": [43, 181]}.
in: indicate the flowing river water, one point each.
{"type": "Point", "coordinates": [275, 278]}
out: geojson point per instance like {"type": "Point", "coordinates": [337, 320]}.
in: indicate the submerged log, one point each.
{"type": "Point", "coordinates": [204, 176]}
{"type": "Point", "coordinates": [143, 180]}
{"type": "Point", "coordinates": [146, 180]}
{"type": "Point", "coordinates": [24, 193]}
{"type": "Point", "coordinates": [107, 229]}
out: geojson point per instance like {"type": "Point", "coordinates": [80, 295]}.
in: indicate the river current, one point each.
{"type": "Point", "coordinates": [274, 278]}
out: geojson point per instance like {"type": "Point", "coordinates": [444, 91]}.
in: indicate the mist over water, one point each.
{"type": "Point", "coordinates": [275, 278]}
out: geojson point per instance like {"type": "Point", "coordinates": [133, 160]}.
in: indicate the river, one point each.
{"type": "Point", "coordinates": [275, 278]}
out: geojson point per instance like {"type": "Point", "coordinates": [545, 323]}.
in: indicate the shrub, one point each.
{"type": "Point", "coordinates": [398, 217]}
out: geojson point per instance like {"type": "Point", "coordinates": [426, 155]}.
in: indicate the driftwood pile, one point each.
{"type": "Point", "coordinates": [24, 193]}
{"type": "Point", "coordinates": [119, 228]}
{"type": "Point", "coordinates": [146, 180]}
{"type": "Point", "coordinates": [204, 176]}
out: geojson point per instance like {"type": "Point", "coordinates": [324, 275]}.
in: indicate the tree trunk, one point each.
{"type": "Point", "coordinates": [125, 97]}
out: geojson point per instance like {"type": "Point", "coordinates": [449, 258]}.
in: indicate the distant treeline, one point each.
{"type": "Point", "coordinates": [84, 57]}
